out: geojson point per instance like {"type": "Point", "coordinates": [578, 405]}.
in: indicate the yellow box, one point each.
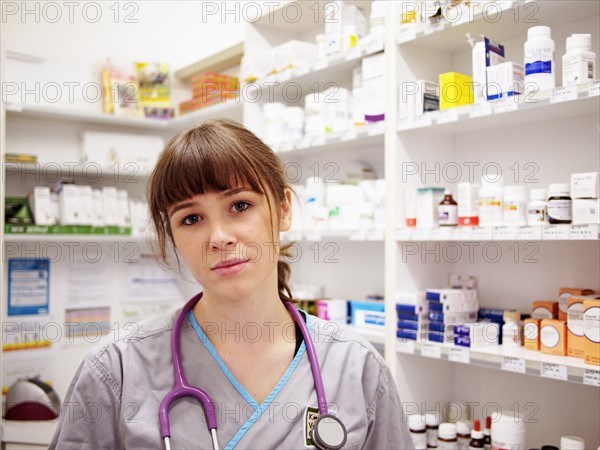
{"type": "Point", "coordinates": [456, 89]}
{"type": "Point", "coordinates": [553, 337]}
{"type": "Point", "coordinates": [531, 332]}
{"type": "Point", "coordinates": [563, 298]}
{"type": "Point", "coordinates": [544, 309]}
{"type": "Point", "coordinates": [591, 332]}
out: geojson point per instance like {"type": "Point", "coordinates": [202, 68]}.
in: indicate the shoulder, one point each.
{"type": "Point", "coordinates": [339, 340]}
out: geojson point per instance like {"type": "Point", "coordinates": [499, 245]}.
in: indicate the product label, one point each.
{"type": "Point", "coordinates": [575, 319]}
{"type": "Point", "coordinates": [431, 350]}
{"type": "Point", "coordinates": [554, 371]}
{"type": "Point", "coordinates": [591, 320]}
{"type": "Point", "coordinates": [536, 216]}
{"type": "Point", "coordinates": [563, 94]}
{"type": "Point", "coordinates": [560, 210]}
{"type": "Point", "coordinates": [594, 88]}
{"type": "Point", "coordinates": [447, 116]}
{"type": "Point", "coordinates": [577, 69]}
{"type": "Point", "coordinates": [406, 346]}
{"type": "Point", "coordinates": [447, 214]}
{"type": "Point", "coordinates": [513, 364]}
{"type": "Point", "coordinates": [530, 331]}
{"type": "Point", "coordinates": [538, 67]}
{"type": "Point", "coordinates": [461, 355]}
{"type": "Point", "coordinates": [514, 212]}
{"type": "Point", "coordinates": [591, 377]}
{"type": "Point", "coordinates": [550, 336]}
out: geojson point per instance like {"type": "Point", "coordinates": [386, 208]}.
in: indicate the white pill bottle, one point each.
{"type": "Point", "coordinates": [539, 65]}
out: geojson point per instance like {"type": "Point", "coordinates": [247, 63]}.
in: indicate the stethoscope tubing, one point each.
{"type": "Point", "coordinates": [181, 387]}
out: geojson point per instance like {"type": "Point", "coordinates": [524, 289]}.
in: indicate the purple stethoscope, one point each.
{"type": "Point", "coordinates": [328, 433]}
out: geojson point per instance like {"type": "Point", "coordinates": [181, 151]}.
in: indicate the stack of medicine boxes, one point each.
{"type": "Point", "coordinates": [412, 312]}
{"type": "Point", "coordinates": [449, 308]}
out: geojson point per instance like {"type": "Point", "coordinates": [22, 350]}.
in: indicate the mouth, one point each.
{"type": "Point", "coordinates": [229, 266]}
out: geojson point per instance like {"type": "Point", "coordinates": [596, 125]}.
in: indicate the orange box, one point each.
{"type": "Point", "coordinates": [591, 331]}
{"type": "Point", "coordinates": [544, 309]}
{"type": "Point", "coordinates": [563, 299]}
{"type": "Point", "coordinates": [553, 337]}
{"type": "Point", "coordinates": [531, 332]}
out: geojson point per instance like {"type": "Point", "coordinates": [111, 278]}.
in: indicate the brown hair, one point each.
{"type": "Point", "coordinates": [213, 157]}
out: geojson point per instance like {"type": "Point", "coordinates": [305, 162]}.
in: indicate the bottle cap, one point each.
{"type": "Point", "coordinates": [572, 443]}
{"type": "Point", "coordinates": [539, 31]}
{"type": "Point", "coordinates": [583, 41]}
{"type": "Point", "coordinates": [539, 194]}
{"type": "Point", "coordinates": [514, 191]}
{"type": "Point", "coordinates": [447, 192]}
{"type": "Point", "coordinates": [488, 423]}
{"type": "Point", "coordinates": [447, 431]}
{"type": "Point", "coordinates": [559, 190]}
{"type": "Point", "coordinates": [477, 433]}
{"type": "Point", "coordinates": [549, 447]}
{"type": "Point", "coordinates": [416, 422]}
{"type": "Point", "coordinates": [431, 419]}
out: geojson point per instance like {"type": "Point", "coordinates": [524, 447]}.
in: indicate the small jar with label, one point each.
{"type": "Point", "coordinates": [448, 211]}
{"type": "Point", "coordinates": [431, 425]}
{"type": "Point", "coordinates": [447, 439]}
{"type": "Point", "coordinates": [416, 425]}
{"type": "Point", "coordinates": [559, 204]}
{"type": "Point", "coordinates": [463, 435]}
{"type": "Point", "coordinates": [537, 210]}
{"type": "Point", "coordinates": [515, 203]}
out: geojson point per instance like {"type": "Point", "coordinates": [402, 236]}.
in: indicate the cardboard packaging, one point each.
{"type": "Point", "coordinates": [591, 331]}
{"type": "Point", "coordinates": [563, 297]}
{"type": "Point", "coordinates": [456, 89]}
{"type": "Point", "coordinates": [531, 332]}
{"type": "Point", "coordinates": [553, 337]}
{"type": "Point", "coordinates": [585, 185]}
{"type": "Point", "coordinates": [544, 309]}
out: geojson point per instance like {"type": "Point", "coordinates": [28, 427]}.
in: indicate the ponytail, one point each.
{"type": "Point", "coordinates": [283, 274]}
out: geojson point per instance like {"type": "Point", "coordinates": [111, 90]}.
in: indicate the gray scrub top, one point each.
{"type": "Point", "coordinates": [113, 400]}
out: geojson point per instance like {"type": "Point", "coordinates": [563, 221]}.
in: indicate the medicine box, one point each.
{"type": "Point", "coordinates": [553, 337]}
{"type": "Point", "coordinates": [86, 200]}
{"type": "Point", "coordinates": [41, 206]}
{"type": "Point", "coordinates": [544, 309]}
{"type": "Point", "coordinates": [564, 294]}
{"type": "Point", "coordinates": [585, 185]}
{"type": "Point", "coordinates": [531, 334]}
{"type": "Point", "coordinates": [367, 314]}
{"type": "Point", "coordinates": [468, 204]}
{"type": "Point", "coordinates": [69, 204]}
{"type": "Point", "coordinates": [428, 200]}
{"type": "Point", "coordinates": [575, 327]}
{"type": "Point", "coordinates": [485, 54]}
{"type": "Point", "coordinates": [505, 80]}
{"type": "Point", "coordinates": [456, 89]}
{"type": "Point", "coordinates": [110, 206]}
{"type": "Point", "coordinates": [335, 310]}
{"type": "Point", "coordinates": [586, 211]}
{"type": "Point", "coordinates": [591, 331]}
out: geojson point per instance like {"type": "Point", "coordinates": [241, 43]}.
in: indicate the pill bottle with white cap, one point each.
{"type": "Point", "coordinates": [572, 443]}
{"type": "Point", "coordinates": [508, 432]}
{"type": "Point", "coordinates": [416, 425]}
{"type": "Point", "coordinates": [432, 424]}
{"type": "Point", "coordinates": [447, 437]}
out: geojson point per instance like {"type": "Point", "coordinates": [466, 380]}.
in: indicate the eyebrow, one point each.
{"type": "Point", "coordinates": [225, 194]}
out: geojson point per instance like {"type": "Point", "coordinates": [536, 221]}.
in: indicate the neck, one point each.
{"type": "Point", "coordinates": [253, 322]}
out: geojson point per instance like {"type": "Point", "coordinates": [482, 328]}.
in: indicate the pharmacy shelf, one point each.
{"type": "Point", "coordinates": [499, 20]}
{"type": "Point", "coordinates": [93, 171]}
{"type": "Point", "coordinates": [517, 360]}
{"type": "Point", "coordinates": [231, 109]}
{"type": "Point", "coordinates": [293, 84]}
{"type": "Point", "coordinates": [82, 238]}
{"type": "Point", "coordinates": [541, 233]}
{"type": "Point", "coordinates": [38, 433]}
{"type": "Point", "coordinates": [218, 62]}
{"type": "Point", "coordinates": [292, 16]}
{"type": "Point", "coordinates": [362, 137]}
{"type": "Point", "coordinates": [372, 235]}
{"type": "Point", "coordinates": [376, 337]}
{"type": "Point", "coordinates": [545, 106]}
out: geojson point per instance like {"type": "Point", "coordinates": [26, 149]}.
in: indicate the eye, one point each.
{"type": "Point", "coordinates": [241, 206]}
{"type": "Point", "coordinates": [190, 220]}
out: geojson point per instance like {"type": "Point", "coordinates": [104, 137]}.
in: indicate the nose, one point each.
{"type": "Point", "coordinates": [221, 237]}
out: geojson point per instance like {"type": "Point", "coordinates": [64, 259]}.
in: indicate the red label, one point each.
{"type": "Point", "coordinates": [411, 223]}
{"type": "Point", "coordinates": [468, 221]}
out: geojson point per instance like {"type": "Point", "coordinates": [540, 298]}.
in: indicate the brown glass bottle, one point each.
{"type": "Point", "coordinates": [448, 211]}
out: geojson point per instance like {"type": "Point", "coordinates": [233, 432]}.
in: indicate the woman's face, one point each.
{"type": "Point", "coordinates": [227, 241]}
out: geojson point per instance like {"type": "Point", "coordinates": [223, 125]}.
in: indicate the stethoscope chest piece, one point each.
{"type": "Point", "coordinates": [329, 433]}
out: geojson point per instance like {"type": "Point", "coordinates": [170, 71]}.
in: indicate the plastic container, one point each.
{"type": "Point", "coordinates": [539, 58]}
{"type": "Point", "coordinates": [491, 202]}
{"type": "Point", "coordinates": [293, 118]}
{"type": "Point", "coordinates": [572, 443]}
{"type": "Point", "coordinates": [508, 433]}
{"type": "Point", "coordinates": [416, 425]}
{"type": "Point", "coordinates": [447, 439]}
{"type": "Point", "coordinates": [321, 42]}
{"type": "Point", "coordinates": [377, 18]}
{"type": "Point", "coordinates": [432, 424]}
{"type": "Point", "coordinates": [463, 435]}
{"type": "Point", "coordinates": [515, 206]}
{"type": "Point", "coordinates": [537, 209]}
{"type": "Point", "coordinates": [560, 204]}
{"type": "Point", "coordinates": [477, 440]}
{"type": "Point", "coordinates": [579, 63]}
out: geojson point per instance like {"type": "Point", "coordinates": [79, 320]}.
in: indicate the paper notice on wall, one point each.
{"type": "Point", "coordinates": [27, 333]}
{"type": "Point", "coordinates": [136, 312]}
{"type": "Point", "coordinates": [89, 324]}
{"type": "Point", "coordinates": [28, 286]}
{"type": "Point", "coordinates": [88, 284]}
{"type": "Point", "coordinates": [146, 282]}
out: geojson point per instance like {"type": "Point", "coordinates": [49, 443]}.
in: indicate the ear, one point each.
{"type": "Point", "coordinates": [285, 222]}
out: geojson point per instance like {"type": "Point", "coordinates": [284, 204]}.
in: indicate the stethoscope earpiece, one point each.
{"type": "Point", "coordinates": [329, 433]}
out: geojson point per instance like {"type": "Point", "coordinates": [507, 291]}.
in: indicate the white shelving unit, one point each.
{"type": "Point", "coordinates": [560, 137]}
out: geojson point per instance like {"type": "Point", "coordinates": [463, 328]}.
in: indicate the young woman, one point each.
{"type": "Point", "coordinates": [266, 374]}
